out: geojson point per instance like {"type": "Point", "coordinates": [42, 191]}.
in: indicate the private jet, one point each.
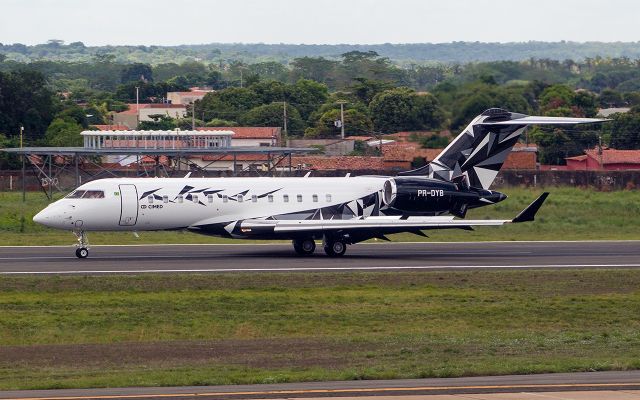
{"type": "Point", "coordinates": [338, 211]}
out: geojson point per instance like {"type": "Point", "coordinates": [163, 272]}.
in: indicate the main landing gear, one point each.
{"type": "Point", "coordinates": [334, 247]}
{"type": "Point", "coordinates": [304, 247]}
{"type": "Point", "coordinates": [82, 251]}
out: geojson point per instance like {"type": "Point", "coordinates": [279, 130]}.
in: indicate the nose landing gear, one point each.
{"type": "Point", "coordinates": [82, 251]}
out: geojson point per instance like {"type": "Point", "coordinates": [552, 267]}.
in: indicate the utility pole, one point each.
{"type": "Point", "coordinates": [284, 116]}
{"type": "Point", "coordinates": [600, 149]}
{"type": "Point", "coordinates": [21, 134]}
{"type": "Point", "coordinates": [342, 103]}
{"type": "Point", "coordinates": [193, 116]}
{"type": "Point", "coordinates": [137, 106]}
{"type": "Point", "coordinates": [241, 81]}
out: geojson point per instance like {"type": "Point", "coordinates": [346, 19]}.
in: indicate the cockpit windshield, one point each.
{"type": "Point", "coordinates": [86, 194]}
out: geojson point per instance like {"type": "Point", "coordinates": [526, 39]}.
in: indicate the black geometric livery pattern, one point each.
{"type": "Point", "coordinates": [478, 153]}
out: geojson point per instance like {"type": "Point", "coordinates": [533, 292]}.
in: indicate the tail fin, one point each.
{"type": "Point", "coordinates": [480, 150]}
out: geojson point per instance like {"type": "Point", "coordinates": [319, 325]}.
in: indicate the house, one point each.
{"type": "Point", "coordinates": [604, 159]}
{"type": "Point", "coordinates": [187, 97]}
{"type": "Point", "coordinates": [144, 112]}
{"type": "Point", "coordinates": [251, 136]}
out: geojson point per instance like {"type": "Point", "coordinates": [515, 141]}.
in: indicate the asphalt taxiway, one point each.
{"type": "Point", "coordinates": [280, 257]}
{"type": "Point", "coordinates": [606, 385]}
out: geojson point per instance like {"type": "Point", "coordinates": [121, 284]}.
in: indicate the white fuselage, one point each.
{"type": "Point", "coordinates": [146, 204]}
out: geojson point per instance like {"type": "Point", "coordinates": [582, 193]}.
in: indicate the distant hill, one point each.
{"type": "Point", "coordinates": [455, 52]}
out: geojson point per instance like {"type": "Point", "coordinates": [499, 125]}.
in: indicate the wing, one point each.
{"type": "Point", "coordinates": [377, 226]}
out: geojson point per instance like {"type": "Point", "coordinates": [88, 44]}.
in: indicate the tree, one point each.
{"type": "Point", "coordinates": [136, 72]}
{"type": "Point", "coordinates": [355, 123]}
{"type": "Point", "coordinates": [160, 123]}
{"type": "Point", "coordinates": [273, 115]}
{"type": "Point", "coordinates": [318, 69]}
{"type": "Point", "coordinates": [403, 109]}
{"type": "Point", "coordinates": [625, 130]}
{"type": "Point", "coordinates": [25, 100]}
{"type": "Point", "coordinates": [366, 89]}
{"type": "Point", "coordinates": [64, 132]}
{"type": "Point", "coordinates": [227, 104]}
{"type": "Point", "coordinates": [307, 95]}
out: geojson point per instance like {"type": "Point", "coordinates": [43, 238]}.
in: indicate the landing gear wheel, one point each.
{"type": "Point", "coordinates": [82, 252]}
{"type": "Point", "coordinates": [335, 248]}
{"type": "Point", "coordinates": [304, 247]}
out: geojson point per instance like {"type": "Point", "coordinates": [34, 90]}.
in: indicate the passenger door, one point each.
{"type": "Point", "coordinates": [128, 205]}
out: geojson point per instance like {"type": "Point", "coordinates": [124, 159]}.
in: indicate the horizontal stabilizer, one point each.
{"type": "Point", "coordinates": [529, 213]}
{"type": "Point", "coordinates": [534, 120]}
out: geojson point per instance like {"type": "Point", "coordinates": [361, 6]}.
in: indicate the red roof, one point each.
{"type": "Point", "coordinates": [111, 127]}
{"type": "Point", "coordinates": [239, 157]}
{"type": "Point", "coordinates": [248, 132]}
{"type": "Point", "coordinates": [612, 156]}
{"type": "Point", "coordinates": [407, 152]}
{"type": "Point", "coordinates": [347, 163]}
{"type": "Point", "coordinates": [133, 110]}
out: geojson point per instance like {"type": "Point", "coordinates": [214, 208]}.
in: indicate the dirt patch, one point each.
{"type": "Point", "coordinates": [252, 353]}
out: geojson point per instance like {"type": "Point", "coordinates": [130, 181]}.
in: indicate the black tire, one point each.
{"type": "Point", "coordinates": [335, 248]}
{"type": "Point", "coordinates": [82, 252]}
{"type": "Point", "coordinates": [304, 247]}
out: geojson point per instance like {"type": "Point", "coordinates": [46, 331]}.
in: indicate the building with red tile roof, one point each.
{"type": "Point", "coordinates": [251, 135]}
{"type": "Point", "coordinates": [606, 159]}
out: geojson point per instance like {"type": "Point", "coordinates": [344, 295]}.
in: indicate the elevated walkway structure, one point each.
{"type": "Point", "coordinates": [141, 154]}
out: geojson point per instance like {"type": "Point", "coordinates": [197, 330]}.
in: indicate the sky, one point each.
{"type": "Point", "coordinates": [173, 22]}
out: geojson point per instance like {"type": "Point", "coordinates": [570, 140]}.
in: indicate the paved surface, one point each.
{"type": "Point", "coordinates": [280, 257]}
{"type": "Point", "coordinates": [576, 386]}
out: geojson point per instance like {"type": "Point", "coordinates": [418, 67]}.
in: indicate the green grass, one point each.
{"type": "Point", "coordinates": [568, 214]}
{"type": "Point", "coordinates": [160, 329]}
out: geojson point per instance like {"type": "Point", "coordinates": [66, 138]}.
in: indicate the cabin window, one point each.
{"type": "Point", "coordinates": [299, 197]}
{"type": "Point", "coordinates": [150, 198]}
{"type": "Point", "coordinates": [93, 194]}
{"type": "Point", "coordinates": [76, 194]}
{"type": "Point", "coordinates": [315, 198]}
{"type": "Point", "coordinates": [270, 198]}
{"type": "Point", "coordinates": [285, 198]}
{"type": "Point", "coordinates": [240, 198]}
{"type": "Point", "coordinates": [194, 198]}
{"type": "Point", "coordinates": [254, 198]}
{"type": "Point", "coordinates": [225, 198]}
{"type": "Point", "coordinates": [180, 198]}
{"type": "Point", "coordinates": [210, 198]}
{"type": "Point", "coordinates": [165, 199]}
{"type": "Point", "coordinates": [328, 198]}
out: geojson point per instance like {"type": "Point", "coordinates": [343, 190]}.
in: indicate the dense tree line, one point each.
{"type": "Point", "coordinates": [455, 52]}
{"type": "Point", "coordinates": [56, 100]}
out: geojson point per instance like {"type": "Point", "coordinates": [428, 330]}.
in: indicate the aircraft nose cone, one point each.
{"type": "Point", "coordinates": [40, 217]}
{"type": "Point", "coordinates": [502, 197]}
{"type": "Point", "coordinates": [45, 217]}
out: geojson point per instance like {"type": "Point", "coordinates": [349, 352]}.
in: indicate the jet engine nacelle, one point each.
{"type": "Point", "coordinates": [414, 194]}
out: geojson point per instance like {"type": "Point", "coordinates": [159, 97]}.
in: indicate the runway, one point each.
{"type": "Point", "coordinates": [280, 257]}
{"type": "Point", "coordinates": [613, 382]}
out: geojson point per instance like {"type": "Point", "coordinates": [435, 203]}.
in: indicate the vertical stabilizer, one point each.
{"type": "Point", "coordinates": [478, 153]}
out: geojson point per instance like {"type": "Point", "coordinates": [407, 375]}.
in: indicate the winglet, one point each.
{"type": "Point", "coordinates": [529, 213]}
